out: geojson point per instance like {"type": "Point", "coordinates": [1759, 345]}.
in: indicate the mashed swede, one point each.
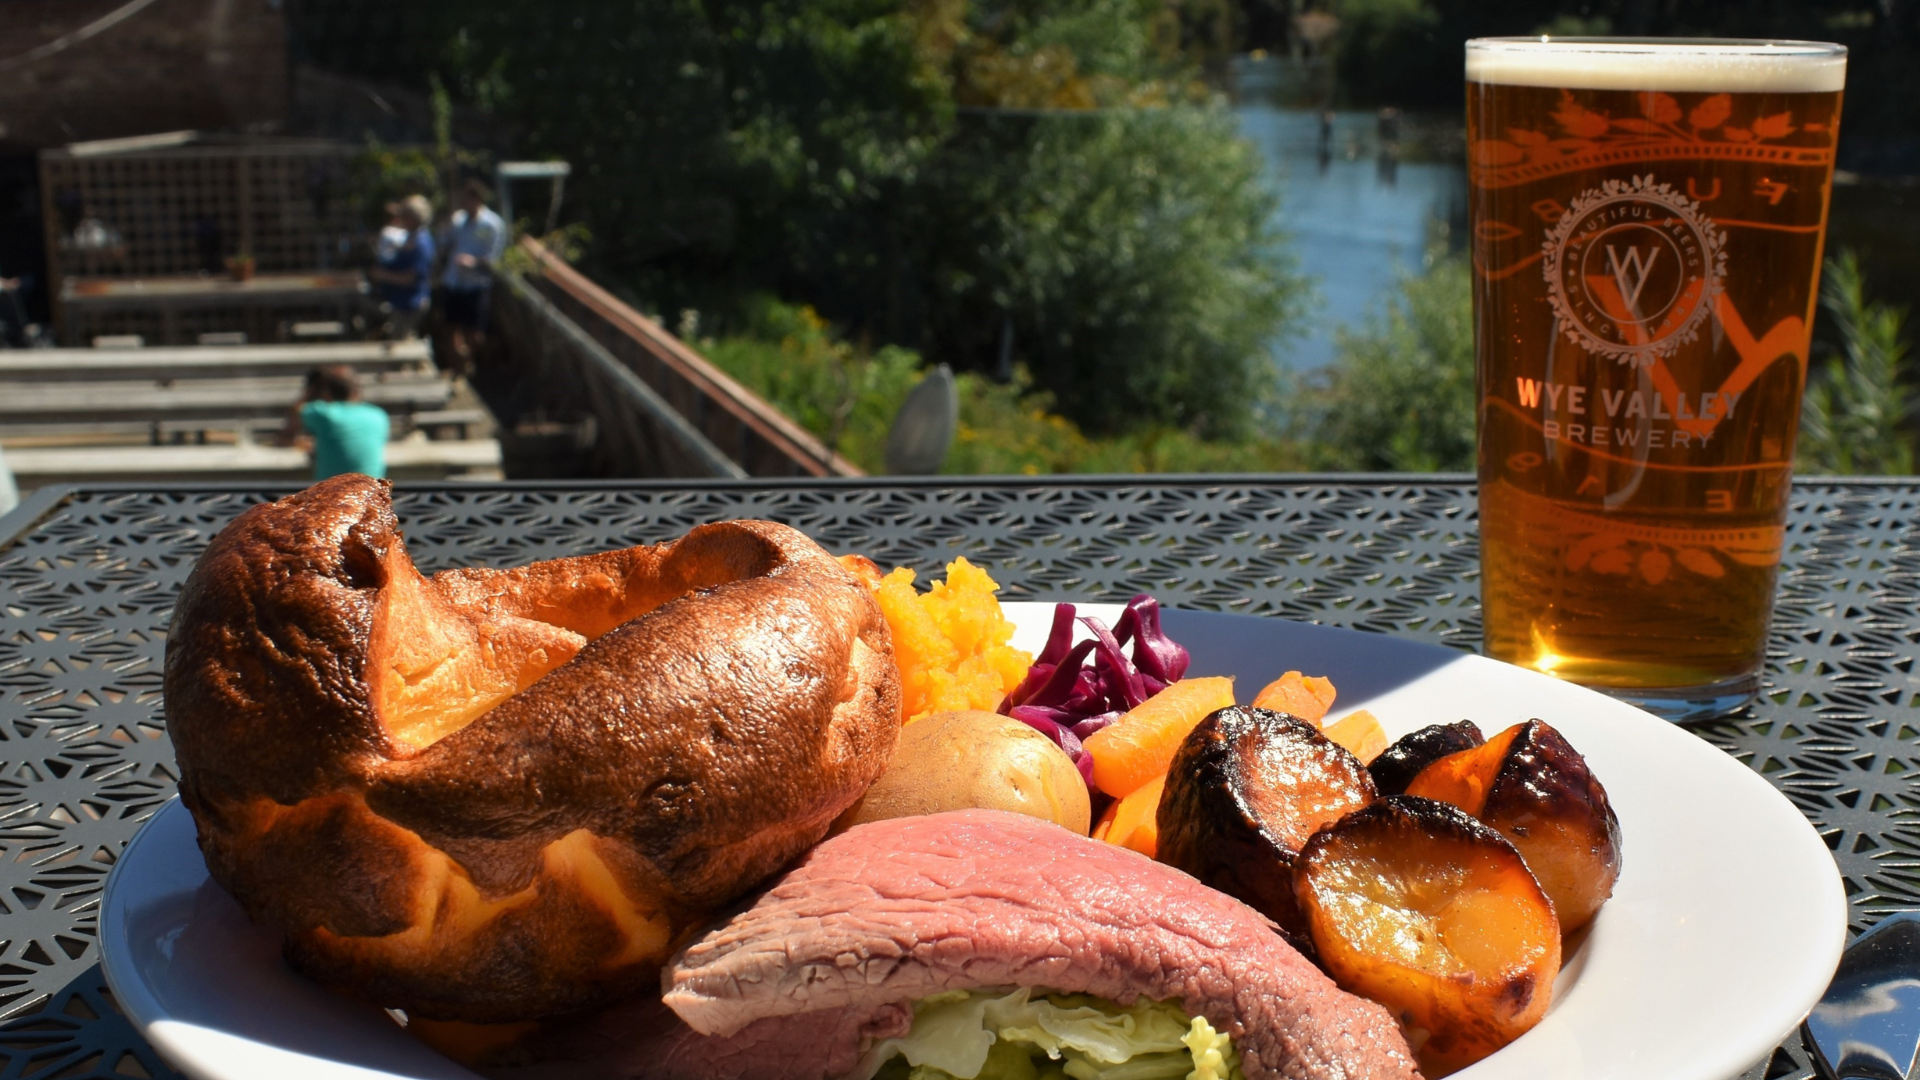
{"type": "Point", "coordinates": [950, 641]}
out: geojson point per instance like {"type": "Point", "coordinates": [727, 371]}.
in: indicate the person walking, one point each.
{"type": "Point", "coordinates": [402, 273]}
{"type": "Point", "coordinates": [475, 243]}
{"type": "Point", "coordinates": [349, 435]}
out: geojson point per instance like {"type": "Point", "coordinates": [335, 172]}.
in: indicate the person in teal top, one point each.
{"type": "Point", "coordinates": [349, 435]}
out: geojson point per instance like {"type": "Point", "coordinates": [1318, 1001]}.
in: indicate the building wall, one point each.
{"type": "Point", "coordinates": [175, 64]}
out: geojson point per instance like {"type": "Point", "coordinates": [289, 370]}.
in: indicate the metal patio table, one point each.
{"type": "Point", "coordinates": [88, 577]}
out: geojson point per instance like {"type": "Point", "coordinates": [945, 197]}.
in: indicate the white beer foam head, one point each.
{"type": "Point", "coordinates": [1673, 64]}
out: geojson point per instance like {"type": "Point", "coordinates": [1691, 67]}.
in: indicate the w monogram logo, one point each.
{"type": "Point", "coordinates": [1632, 270]}
{"type": "Point", "coordinates": [1630, 273]}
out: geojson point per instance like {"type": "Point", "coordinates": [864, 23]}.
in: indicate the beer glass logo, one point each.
{"type": "Point", "coordinates": [1632, 269]}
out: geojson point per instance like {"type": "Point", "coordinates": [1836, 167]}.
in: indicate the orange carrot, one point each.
{"type": "Point", "coordinates": [1360, 733]}
{"type": "Point", "coordinates": [1141, 744]}
{"type": "Point", "coordinates": [1306, 697]}
{"type": "Point", "coordinates": [1136, 819]}
{"type": "Point", "coordinates": [1105, 825]}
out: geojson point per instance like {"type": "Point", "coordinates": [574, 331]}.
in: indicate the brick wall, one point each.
{"type": "Point", "coordinates": [203, 64]}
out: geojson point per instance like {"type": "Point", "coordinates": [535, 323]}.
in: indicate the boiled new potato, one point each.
{"type": "Point", "coordinates": [973, 759]}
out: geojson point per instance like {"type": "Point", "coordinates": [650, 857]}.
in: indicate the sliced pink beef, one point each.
{"type": "Point", "coordinates": [898, 910]}
{"type": "Point", "coordinates": [797, 985]}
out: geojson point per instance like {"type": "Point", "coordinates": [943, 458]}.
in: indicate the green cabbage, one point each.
{"type": "Point", "coordinates": [988, 1035]}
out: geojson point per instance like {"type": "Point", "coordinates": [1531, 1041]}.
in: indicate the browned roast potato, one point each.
{"type": "Point", "coordinates": [1419, 907]}
{"type": "Point", "coordinates": [1536, 789]}
{"type": "Point", "coordinates": [1398, 764]}
{"type": "Point", "coordinates": [1246, 790]}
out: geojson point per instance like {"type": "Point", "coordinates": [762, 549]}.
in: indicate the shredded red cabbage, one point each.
{"type": "Point", "coordinates": [1073, 690]}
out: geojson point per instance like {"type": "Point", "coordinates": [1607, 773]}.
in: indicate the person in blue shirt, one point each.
{"type": "Point", "coordinates": [476, 238]}
{"type": "Point", "coordinates": [402, 273]}
{"type": "Point", "coordinates": [349, 435]}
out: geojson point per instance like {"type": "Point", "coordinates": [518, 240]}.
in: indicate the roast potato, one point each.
{"type": "Point", "coordinates": [1536, 789]}
{"type": "Point", "coordinates": [1421, 908]}
{"type": "Point", "coordinates": [974, 759]}
{"type": "Point", "coordinates": [1246, 790]}
{"type": "Point", "coordinates": [1398, 764]}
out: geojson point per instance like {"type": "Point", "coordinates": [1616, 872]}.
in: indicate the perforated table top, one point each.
{"type": "Point", "coordinates": [88, 577]}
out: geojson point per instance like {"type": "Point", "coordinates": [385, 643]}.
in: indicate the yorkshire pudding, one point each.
{"type": "Point", "coordinates": [496, 795]}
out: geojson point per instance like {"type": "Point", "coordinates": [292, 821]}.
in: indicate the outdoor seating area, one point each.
{"type": "Point", "coordinates": [959, 540]}
{"type": "Point", "coordinates": [220, 412]}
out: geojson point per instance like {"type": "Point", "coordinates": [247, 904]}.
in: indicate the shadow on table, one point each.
{"type": "Point", "coordinates": [79, 1032]}
{"type": "Point", "coordinates": [1256, 650]}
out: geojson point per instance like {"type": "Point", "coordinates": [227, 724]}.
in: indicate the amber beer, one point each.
{"type": "Point", "coordinates": [1647, 222]}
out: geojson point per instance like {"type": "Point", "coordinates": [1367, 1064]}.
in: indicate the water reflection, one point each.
{"type": "Point", "coordinates": [1357, 212]}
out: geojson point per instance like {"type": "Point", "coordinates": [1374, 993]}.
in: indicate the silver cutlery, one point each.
{"type": "Point", "coordinates": [1867, 1026]}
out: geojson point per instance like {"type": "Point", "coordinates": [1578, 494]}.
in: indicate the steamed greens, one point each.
{"type": "Point", "coordinates": [985, 1035]}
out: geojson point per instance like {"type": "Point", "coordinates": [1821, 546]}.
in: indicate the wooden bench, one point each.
{"type": "Point", "coordinates": [460, 422]}
{"type": "Point", "coordinates": [406, 459]}
{"type": "Point", "coordinates": [198, 399]}
{"type": "Point", "coordinates": [209, 361]}
{"type": "Point", "coordinates": [438, 424]}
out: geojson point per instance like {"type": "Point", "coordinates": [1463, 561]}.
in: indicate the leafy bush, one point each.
{"type": "Point", "coordinates": [1400, 393]}
{"type": "Point", "coordinates": [848, 396]}
{"type": "Point", "coordinates": [1858, 404]}
{"type": "Point", "coordinates": [1133, 253]}
{"type": "Point", "coordinates": [382, 174]}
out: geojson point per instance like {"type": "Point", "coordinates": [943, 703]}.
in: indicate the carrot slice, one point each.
{"type": "Point", "coordinates": [1105, 825]}
{"type": "Point", "coordinates": [1360, 733]}
{"type": "Point", "coordinates": [1141, 744]}
{"type": "Point", "coordinates": [1136, 819]}
{"type": "Point", "coordinates": [1465, 779]}
{"type": "Point", "coordinates": [1307, 697]}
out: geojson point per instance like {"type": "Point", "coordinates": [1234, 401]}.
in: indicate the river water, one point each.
{"type": "Point", "coordinates": [1357, 218]}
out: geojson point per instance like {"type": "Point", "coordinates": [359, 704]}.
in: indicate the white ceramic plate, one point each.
{"type": "Point", "coordinates": [1724, 929]}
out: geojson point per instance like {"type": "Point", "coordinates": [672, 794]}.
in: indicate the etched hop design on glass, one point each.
{"type": "Point", "coordinates": [1647, 223]}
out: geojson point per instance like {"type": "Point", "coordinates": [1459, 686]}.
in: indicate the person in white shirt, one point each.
{"type": "Point", "coordinates": [475, 242]}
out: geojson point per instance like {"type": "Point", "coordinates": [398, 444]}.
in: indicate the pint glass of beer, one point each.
{"type": "Point", "coordinates": [1647, 223]}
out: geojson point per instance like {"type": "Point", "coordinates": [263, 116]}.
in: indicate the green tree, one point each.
{"type": "Point", "coordinates": [1860, 403]}
{"type": "Point", "coordinates": [1400, 393]}
{"type": "Point", "coordinates": [1133, 256]}
{"type": "Point", "coordinates": [923, 172]}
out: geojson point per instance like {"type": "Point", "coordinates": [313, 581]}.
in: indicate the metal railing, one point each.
{"type": "Point", "coordinates": [634, 432]}
{"type": "Point", "coordinates": [760, 439]}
